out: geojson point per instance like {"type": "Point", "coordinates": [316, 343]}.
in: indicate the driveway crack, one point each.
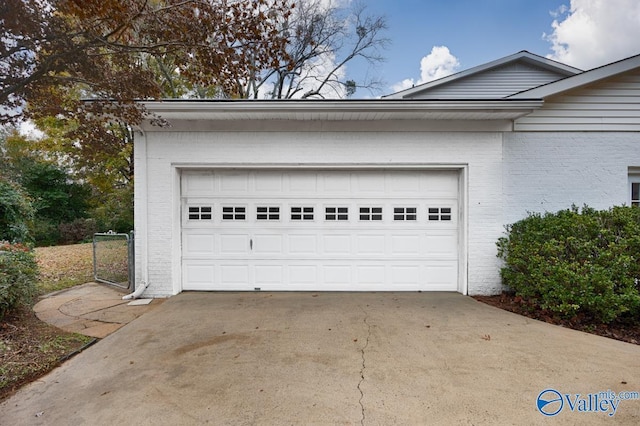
{"type": "Point", "coordinates": [364, 364]}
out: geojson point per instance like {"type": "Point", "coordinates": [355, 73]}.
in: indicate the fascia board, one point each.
{"type": "Point", "coordinates": [580, 80]}
{"type": "Point", "coordinates": [185, 109]}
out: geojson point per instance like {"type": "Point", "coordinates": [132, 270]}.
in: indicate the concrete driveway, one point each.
{"type": "Point", "coordinates": [333, 358]}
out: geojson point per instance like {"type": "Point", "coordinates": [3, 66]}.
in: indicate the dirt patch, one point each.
{"type": "Point", "coordinates": [625, 332]}
{"type": "Point", "coordinates": [30, 348]}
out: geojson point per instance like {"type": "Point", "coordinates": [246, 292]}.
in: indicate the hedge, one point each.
{"type": "Point", "coordinates": [576, 262]}
{"type": "Point", "coordinates": [18, 276]}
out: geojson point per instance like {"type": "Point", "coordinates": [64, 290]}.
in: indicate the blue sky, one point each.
{"type": "Point", "coordinates": [582, 33]}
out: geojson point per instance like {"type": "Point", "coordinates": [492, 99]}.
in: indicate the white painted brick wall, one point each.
{"type": "Point", "coordinates": [525, 172]}
{"type": "Point", "coordinates": [482, 151]}
{"type": "Point", "coordinates": [552, 171]}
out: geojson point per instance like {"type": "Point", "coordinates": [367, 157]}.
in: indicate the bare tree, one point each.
{"type": "Point", "coordinates": [321, 41]}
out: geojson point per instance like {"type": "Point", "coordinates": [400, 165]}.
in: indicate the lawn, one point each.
{"type": "Point", "coordinates": [64, 266]}
{"type": "Point", "coordinates": [30, 348]}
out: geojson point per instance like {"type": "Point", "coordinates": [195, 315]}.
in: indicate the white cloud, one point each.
{"type": "Point", "coordinates": [591, 33]}
{"type": "Point", "coordinates": [407, 83]}
{"type": "Point", "coordinates": [437, 64]}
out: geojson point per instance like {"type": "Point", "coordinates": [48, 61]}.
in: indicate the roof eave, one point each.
{"type": "Point", "coordinates": [342, 110]}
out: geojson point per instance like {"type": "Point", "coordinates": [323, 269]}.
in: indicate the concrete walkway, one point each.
{"type": "Point", "coordinates": [331, 358]}
{"type": "Point", "coordinates": [91, 309]}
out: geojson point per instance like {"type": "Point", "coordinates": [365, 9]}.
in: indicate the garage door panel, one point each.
{"type": "Point", "coordinates": [371, 245]}
{"type": "Point", "coordinates": [439, 276]}
{"type": "Point", "coordinates": [303, 183]}
{"type": "Point", "coordinates": [303, 276]}
{"type": "Point", "coordinates": [406, 276]}
{"type": "Point", "coordinates": [234, 244]}
{"type": "Point", "coordinates": [371, 276]}
{"type": "Point", "coordinates": [267, 244]}
{"type": "Point", "coordinates": [336, 276]}
{"type": "Point", "coordinates": [268, 184]}
{"type": "Point", "coordinates": [199, 276]}
{"type": "Point", "coordinates": [198, 184]}
{"type": "Point", "coordinates": [442, 245]}
{"type": "Point", "coordinates": [370, 184]}
{"type": "Point", "coordinates": [336, 184]}
{"type": "Point", "coordinates": [199, 244]}
{"type": "Point", "coordinates": [402, 245]}
{"type": "Point", "coordinates": [233, 184]}
{"type": "Point", "coordinates": [320, 230]}
{"type": "Point", "coordinates": [336, 244]}
{"type": "Point", "coordinates": [269, 275]}
{"type": "Point", "coordinates": [235, 275]}
{"type": "Point", "coordinates": [305, 244]}
{"type": "Point", "coordinates": [405, 184]}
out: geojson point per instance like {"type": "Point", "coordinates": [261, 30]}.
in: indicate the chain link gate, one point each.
{"type": "Point", "coordinates": [113, 260]}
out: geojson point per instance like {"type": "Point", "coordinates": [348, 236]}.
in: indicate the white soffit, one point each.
{"type": "Point", "coordinates": [340, 110]}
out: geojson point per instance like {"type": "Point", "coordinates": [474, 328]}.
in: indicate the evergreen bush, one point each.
{"type": "Point", "coordinates": [18, 276]}
{"type": "Point", "coordinates": [576, 263]}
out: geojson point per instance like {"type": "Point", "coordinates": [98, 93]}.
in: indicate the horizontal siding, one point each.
{"type": "Point", "coordinates": [611, 105]}
{"type": "Point", "coordinates": [491, 84]}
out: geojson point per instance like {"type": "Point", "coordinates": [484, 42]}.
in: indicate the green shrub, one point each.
{"type": "Point", "coordinates": [576, 262]}
{"type": "Point", "coordinates": [45, 232]}
{"type": "Point", "coordinates": [115, 211]}
{"type": "Point", "coordinates": [18, 275]}
{"type": "Point", "coordinates": [16, 211]}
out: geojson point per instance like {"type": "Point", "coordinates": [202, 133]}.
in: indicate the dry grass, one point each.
{"type": "Point", "coordinates": [64, 266]}
{"type": "Point", "coordinates": [111, 260]}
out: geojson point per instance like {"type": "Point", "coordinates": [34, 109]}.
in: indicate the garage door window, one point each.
{"type": "Point", "coordinates": [405, 213]}
{"type": "Point", "coordinates": [439, 213]}
{"type": "Point", "coordinates": [268, 213]}
{"type": "Point", "coordinates": [370, 213]}
{"type": "Point", "coordinates": [200, 213]}
{"type": "Point", "coordinates": [234, 213]}
{"type": "Point", "coordinates": [301, 213]}
{"type": "Point", "coordinates": [336, 213]}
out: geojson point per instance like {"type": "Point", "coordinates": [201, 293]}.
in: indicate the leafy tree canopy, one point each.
{"type": "Point", "coordinates": [55, 52]}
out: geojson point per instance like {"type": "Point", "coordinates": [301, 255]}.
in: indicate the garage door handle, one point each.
{"type": "Point", "coordinates": [251, 244]}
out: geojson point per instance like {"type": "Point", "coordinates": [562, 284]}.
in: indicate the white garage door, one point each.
{"type": "Point", "coordinates": [320, 230]}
